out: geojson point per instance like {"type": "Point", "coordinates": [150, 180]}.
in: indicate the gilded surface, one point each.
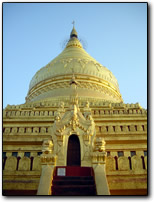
{"type": "Point", "coordinates": [73, 59]}
{"type": "Point", "coordinates": [112, 134]}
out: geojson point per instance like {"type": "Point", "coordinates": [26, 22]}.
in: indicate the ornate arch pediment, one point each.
{"type": "Point", "coordinates": [73, 121]}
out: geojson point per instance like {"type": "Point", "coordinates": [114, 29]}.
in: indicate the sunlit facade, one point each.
{"type": "Point", "coordinates": [74, 135]}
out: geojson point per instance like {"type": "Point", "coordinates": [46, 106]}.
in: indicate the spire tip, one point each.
{"type": "Point", "coordinates": [73, 32]}
{"type": "Point", "coordinates": [73, 23]}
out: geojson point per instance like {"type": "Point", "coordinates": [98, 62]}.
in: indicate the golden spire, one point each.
{"type": "Point", "coordinates": [73, 32]}
{"type": "Point", "coordinates": [74, 41]}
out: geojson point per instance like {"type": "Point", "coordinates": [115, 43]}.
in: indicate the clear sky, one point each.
{"type": "Point", "coordinates": [115, 33]}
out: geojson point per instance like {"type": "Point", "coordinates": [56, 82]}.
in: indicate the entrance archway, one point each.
{"type": "Point", "coordinates": [73, 151]}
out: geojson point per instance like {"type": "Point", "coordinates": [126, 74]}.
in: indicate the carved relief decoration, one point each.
{"type": "Point", "coordinates": [71, 122]}
{"type": "Point", "coordinates": [80, 65]}
{"type": "Point", "coordinates": [81, 84]}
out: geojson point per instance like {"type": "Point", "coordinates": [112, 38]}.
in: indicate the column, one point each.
{"type": "Point", "coordinates": [48, 162]}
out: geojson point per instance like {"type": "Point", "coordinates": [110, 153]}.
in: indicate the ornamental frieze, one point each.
{"type": "Point", "coordinates": [78, 65]}
{"type": "Point", "coordinates": [81, 84]}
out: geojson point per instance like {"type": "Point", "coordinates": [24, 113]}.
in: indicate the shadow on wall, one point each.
{"type": "Point", "coordinates": [123, 163]}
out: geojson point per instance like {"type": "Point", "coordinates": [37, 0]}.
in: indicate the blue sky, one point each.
{"type": "Point", "coordinates": [115, 34]}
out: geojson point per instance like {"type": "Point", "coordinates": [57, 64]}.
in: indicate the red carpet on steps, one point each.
{"type": "Point", "coordinates": [75, 181]}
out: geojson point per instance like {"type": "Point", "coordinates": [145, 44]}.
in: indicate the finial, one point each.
{"type": "Point", "coordinates": [73, 23]}
{"type": "Point", "coordinates": [73, 32]}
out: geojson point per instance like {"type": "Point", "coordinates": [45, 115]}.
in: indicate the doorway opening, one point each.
{"type": "Point", "coordinates": [73, 151]}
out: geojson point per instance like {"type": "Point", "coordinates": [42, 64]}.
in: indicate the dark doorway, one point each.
{"type": "Point", "coordinates": [73, 151]}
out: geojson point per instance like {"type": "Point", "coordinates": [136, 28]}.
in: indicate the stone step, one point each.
{"type": "Point", "coordinates": [74, 190]}
{"type": "Point", "coordinates": [73, 182]}
{"type": "Point", "coordinates": [78, 181]}
{"type": "Point", "coordinates": [69, 178]}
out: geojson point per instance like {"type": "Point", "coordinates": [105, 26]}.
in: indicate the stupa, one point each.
{"type": "Point", "coordinates": [74, 135]}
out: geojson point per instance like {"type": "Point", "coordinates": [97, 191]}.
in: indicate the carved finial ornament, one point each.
{"type": "Point", "coordinates": [73, 32]}
{"type": "Point", "coordinates": [73, 23]}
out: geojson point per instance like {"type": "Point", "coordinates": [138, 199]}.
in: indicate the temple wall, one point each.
{"type": "Point", "coordinates": [122, 163]}
{"type": "Point", "coordinates": [123, 127]}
